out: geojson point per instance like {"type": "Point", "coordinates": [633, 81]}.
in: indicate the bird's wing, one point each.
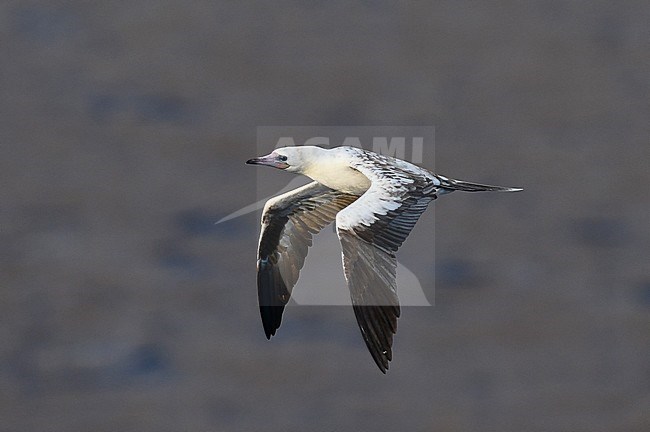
{"type": "Point", "coordinates": [288, 222]}
{"type": "Point", "coordinates": [371, 230]}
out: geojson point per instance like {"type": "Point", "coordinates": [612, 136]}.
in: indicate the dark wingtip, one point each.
{"type": "Point", "coordinates": [268, 331]}
{"type": "Point", "coordinates": [378, 324]}
{"type": "Point", "coordinates": [251, 161]}
{"type": "Point", "coordinates": [271, 319]}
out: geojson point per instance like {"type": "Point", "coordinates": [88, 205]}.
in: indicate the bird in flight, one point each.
{"type": "Point", "coordinates": [375, 200]}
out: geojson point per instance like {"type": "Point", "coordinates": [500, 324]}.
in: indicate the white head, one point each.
{"type": "Point", "coordinates": [292, 159]}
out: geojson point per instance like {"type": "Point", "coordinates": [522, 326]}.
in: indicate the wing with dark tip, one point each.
{"type": "Point", "coordinates": [288, 223]}
{"type": "Point", "coordinates": [371, 230]}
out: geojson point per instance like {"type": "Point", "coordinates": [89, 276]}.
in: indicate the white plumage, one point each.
{"type": "Point", "coordinates": [376, 200]}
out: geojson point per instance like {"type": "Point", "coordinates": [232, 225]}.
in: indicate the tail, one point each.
{"type": "Point", "coordinates": [459, 185]}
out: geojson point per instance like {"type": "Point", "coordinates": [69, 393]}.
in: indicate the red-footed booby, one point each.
{"type": "Point", "coordinates": [375, 200]}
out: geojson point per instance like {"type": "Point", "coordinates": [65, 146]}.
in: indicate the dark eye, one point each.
{"type": "Point", "coordinates": [282, 158]}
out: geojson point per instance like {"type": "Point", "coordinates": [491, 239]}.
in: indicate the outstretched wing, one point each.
{"type": "Point", "coordinates": [288, 223]}
{"type": "Point", "coordinates": [371, 230]}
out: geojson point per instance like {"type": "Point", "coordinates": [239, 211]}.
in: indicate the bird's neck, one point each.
{"type": "Point", "coordinates": [335, 172]}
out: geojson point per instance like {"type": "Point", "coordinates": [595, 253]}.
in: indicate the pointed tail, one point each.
{"type": "Point", "coordinates": [460, 185]}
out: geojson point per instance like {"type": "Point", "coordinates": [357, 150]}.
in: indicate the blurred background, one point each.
{"type": "Point", "coordinates": [124, 128]}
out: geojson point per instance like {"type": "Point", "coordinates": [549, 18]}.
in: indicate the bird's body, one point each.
{"type": "Point", "coordinates": [376, 200]}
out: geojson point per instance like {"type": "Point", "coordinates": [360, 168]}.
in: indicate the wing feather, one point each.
{"type": "Point", "coordinates": [371, 230]}
{"type": "Point", "coordinates": [288, 223]}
